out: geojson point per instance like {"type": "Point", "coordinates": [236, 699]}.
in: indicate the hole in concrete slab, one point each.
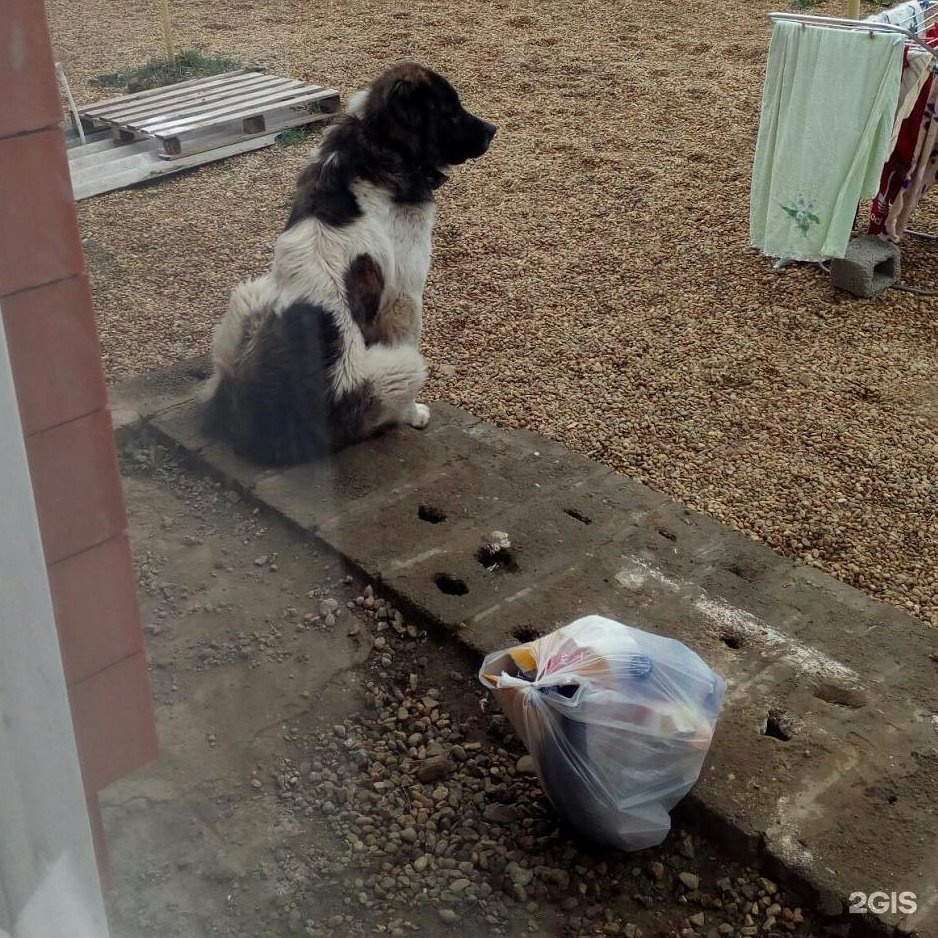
{"type": "Point", "coordinates": [451, 585]}
{"type": "Point", "coordinates": [778, 725]}
{"type": "Point", "coordinates": [198, 372]}
{"type": "Point", "coordinates": [668, 535]}
{"type": "Point", "coordinates": [578, 515]}
{"type": "Point", "coordinates": [732, 641]}
{"type": "Point", "coordinates": [497, 559]}
{"type": "Point", "coordinates": [850, 697]}
{"type": "Point", "coordinates": [526, 634]}
{"type": "Point", "coordinates": [430, 514]}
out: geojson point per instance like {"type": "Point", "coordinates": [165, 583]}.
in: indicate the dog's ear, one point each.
{"type": "Point", "coordinates": [402, 96]}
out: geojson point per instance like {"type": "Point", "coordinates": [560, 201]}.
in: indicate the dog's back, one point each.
{"type": "Point", "coordinates": [269, 391]}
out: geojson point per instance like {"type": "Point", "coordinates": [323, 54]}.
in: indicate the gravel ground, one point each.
{"type": "Point", "coordinates": [592, 279]}
{"type": "Point", "coordinates": [328, 768]}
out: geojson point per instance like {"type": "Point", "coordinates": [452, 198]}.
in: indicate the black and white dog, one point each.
{"type": "Point", "coordinates": [322, 350]}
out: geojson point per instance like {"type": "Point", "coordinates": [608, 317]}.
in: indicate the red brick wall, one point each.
{"type": "Point", "coordinates": [53, 344]}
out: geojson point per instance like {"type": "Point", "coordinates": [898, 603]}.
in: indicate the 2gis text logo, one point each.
{"type": "Point", "coordinates": [880, 902]}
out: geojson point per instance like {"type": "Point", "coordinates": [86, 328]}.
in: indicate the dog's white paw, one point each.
{"type": "Point", "coordinates": [419, 416]}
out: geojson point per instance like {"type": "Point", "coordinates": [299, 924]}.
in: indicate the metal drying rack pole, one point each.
{"type": "Point", "coordinates": [837, 22]}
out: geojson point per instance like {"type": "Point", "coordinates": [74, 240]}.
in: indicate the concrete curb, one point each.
{"type": "Point", "coordinates": [826, 758]}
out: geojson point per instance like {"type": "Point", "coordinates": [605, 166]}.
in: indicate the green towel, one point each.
{"type": "Point", "coordinates": [828, 108]}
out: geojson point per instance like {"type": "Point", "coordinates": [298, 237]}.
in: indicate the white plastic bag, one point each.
{"type": "Point", "coordinates": [618, 722]}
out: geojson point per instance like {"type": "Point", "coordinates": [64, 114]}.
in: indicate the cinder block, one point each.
{"type": "Point", "coordinates": [869, 267]}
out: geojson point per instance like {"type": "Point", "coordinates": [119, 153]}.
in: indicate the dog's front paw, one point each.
{"type": "Point", "coordinates": [419, 416]}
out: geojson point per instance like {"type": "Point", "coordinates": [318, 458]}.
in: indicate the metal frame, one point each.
{"type": "Point", "coordinates": [837, 22]}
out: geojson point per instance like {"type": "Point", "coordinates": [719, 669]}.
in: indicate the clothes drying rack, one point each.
{"type": "Point", "coordinates": [907, 29]}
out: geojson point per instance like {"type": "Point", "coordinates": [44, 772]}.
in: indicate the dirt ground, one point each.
{"type": "Point", "coordinates": [328, 768]}
{"type": "Point", "coordinates": [592, 278]}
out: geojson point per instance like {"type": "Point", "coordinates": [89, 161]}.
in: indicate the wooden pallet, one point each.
{"type": "Point", "coordinates": [209, 113]}
{"type": "Point", "coordinates": [101, 165]}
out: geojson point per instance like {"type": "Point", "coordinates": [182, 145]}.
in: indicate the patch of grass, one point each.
{"type": "Point", "coordinates": [142, 453]}
{"type": "Point", "coordinates": [159, 72]}
{"type": "Point", "coordinates": [293, 136]}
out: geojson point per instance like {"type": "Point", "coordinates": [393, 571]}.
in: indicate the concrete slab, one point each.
{"type": "Point", "coordinates": [826, 759]}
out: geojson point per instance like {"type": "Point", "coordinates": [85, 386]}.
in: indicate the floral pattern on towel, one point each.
{"type": "Point", "coordinates": [803, 213]}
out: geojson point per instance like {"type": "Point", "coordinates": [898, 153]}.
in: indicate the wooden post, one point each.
{"type": "Point", "coordinates": [853, 9]}
{"type": "Point", "coordinates": [168, 29]}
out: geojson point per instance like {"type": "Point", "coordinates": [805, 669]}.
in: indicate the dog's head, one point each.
{"type": "Point", "coordinates": [418, 114]}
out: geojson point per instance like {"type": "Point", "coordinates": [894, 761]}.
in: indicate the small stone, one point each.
{"type": "Point", "coordinates": [448, 916]}
{"type": "Point", "coordinates": [340, 731]}
{"type": "Point", "coordinates": [440, 794]}
{"type": "Point", "coordinates": [354, 629]}
{"type": "Point", "coordinates": [328, 607]}
{"type": "Point", "coordinates": [420, 864]}
{"type": "Point", "coordinates": [260, 561]}
{"type": "Point", "coordinates": [656, 871]}
{"type": "Point", "coordinates": [409, 835]}
{"type": "Point", "coordinates": [434, 769]}
{"type": "Point", "coordinates": [501, 813]}
{"type": "Point", "coordinates": [520, 876]}
{"type": "Point", "coordinates": [368, 592]}
{"type": "Point", "coordinates": [690, 880]}
{"type": "Point", "coordinates": [698, 920]}
{"type": "Point", "coordinates": [459, 885]}
{"type": "Point", "coordinates": [525, 766]}
{"type": "Point", "coordinates": [256, 783]}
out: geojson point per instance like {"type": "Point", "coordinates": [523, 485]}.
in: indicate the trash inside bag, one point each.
{"type": "Point", "coordinates": [618, 722]}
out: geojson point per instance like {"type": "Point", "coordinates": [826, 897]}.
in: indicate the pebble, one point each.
{"type": "Point", "coordinates": [690, 880]}
{"type": "Point", "coordinates": [525, 766]}
{"type": "Point", "coordinates": [520, 876]}
{"type": "Point", "coordinates": [459, 885]}
{"type": "Point", "coordinates": [434, 770]}
{"type": "Point", "coordinates": [500, 813]}
{"type": "Point", "coordinates": [448, 916]}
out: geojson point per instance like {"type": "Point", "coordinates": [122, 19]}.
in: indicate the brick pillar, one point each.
{"type": "Point", "coordinates": [55, 358]}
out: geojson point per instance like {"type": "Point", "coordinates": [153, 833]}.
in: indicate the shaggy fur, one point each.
{"type": "Point", "coordinates": [322, 350]}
